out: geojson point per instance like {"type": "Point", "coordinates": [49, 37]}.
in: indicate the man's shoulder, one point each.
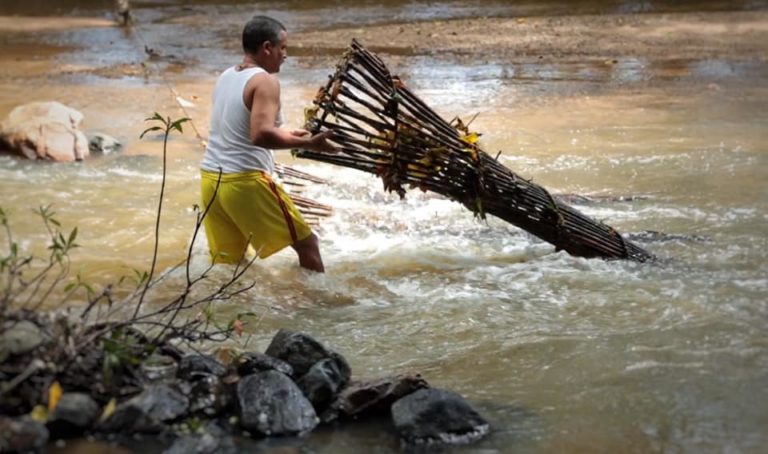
{"type": "Point", "coordinates": [264, 81]}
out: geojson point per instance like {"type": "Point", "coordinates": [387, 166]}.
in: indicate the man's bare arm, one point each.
{"type": "Point", "coordinates": [265, 105]}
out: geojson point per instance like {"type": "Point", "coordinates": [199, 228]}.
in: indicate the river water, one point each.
{"type": "Point", "coordinates": [561, 354]}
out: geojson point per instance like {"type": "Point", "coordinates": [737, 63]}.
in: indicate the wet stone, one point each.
{"type": "Point", "coordinates": [148, 411]}
{"type": "Point", "coordinates": [207, 394]}
{"type": "Point", "coordinates": [20, 337]}
{"type": "Point", "coordinates": [322, 383]}
{"type": "Point", "coordinates": [300, 351]}
{"type": "Point", "coordinates": [252, 362]}
{"type": "Point", "coordinates": [270, 403]}
{"type": "Point", "coordinates": [73, 415]}
{"type": "Point", "coordinates": [435, 416]}
{"type": "Point", "coordinates": [22, 435]}
{"type": "Point", "coordinates": [99, 142]}
{"type": "Point", "coordinates": [375, 397]}
{"type": "Point", "coordinates": [199, 363]}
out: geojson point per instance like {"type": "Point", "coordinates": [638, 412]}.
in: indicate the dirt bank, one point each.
{"type": "Point", "coordinates": [654, 36]}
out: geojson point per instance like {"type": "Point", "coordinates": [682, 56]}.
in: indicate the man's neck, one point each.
{"type": "Point", "coordinates": [248, 62]}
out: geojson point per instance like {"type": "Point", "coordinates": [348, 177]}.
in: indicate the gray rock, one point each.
{"type": "Point", "coordinates": [73, 415]}
{"type": "Point", "coordinates": [250, 363]}
{"type": "Point", "coordinates": [302, 352]}
{"type": "Point", "coordinates": [437, 416]}
{"type": "Point", "coordinates": [148, 411]}
{"type": "Point", "coordinates": [322, 383]}
{"type": "Point", "coordinates": [271, 404]}
{"type": "Point", "coordinates": [45, 130]}
{"type": "Point", "coordinates": [21, 434]}
{"type": "Point", "coordinates": [160, 368]}
{"type": "Point", "coordinates": [190, 364]}
{"type": "Point", "coordinates": [20, 337]}
{"type": "Point", "coordinates": [212, 440]}
{"type": "Point", "coordinates": [102, 143]}
{"type": "Point", "coordinates": [208, 395]}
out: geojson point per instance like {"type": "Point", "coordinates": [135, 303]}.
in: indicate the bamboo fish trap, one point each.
{"type": "Point", "coordinates": [381, 127]}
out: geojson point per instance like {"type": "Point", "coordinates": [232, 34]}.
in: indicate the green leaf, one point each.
{"type": "Point", "coordinates": [156, 116]}
{"type": "Point", "coordinates": [154, 128]}
{"type": "Point", "coordinates": [72, 236]}
{"type": "Point", "coordinates": [177, 124]}
{"type": "Point", "coordinates": [70, 286]}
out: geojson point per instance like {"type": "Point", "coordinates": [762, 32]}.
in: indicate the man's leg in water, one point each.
{"type": "Point", "coordinates": [308, 250]}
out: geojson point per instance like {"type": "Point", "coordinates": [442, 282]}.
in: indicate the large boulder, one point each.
{"type": "Point", "coordinates": [44, 130]}
{"type": "Point", "coordinates": [302, 352]}
{"type": "Point", "coordinates": [271, 404]}
{"type": "Point", "coordinates": [436, 416]}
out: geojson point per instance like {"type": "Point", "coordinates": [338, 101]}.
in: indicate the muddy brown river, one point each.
{"type": "Point", "coordinates": [658, 111]}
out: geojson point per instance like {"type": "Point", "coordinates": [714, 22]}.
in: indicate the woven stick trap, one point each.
{"type": "Point", "coordinates": [382, 128]}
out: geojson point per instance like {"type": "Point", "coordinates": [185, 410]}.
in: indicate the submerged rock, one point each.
{"type": "Point", "coordinates": [148, 411]}
{"type": "Point", "coordinates": [437, 416]}
{"type": "Point", "coordinates": [44, 130]}
{"type": "Point", "coordinates": [73, 415]}
{"type": "Point", "coordinates": [271, 404]}
{"type": "Point", "coordinates": [21, 435]}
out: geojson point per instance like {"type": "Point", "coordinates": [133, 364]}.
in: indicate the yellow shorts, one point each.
{"type": "Point", "coordinates": [248, 205]}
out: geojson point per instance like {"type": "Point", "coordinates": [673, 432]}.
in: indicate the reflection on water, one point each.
{"type": "Point", "coordinates": [562, 354]}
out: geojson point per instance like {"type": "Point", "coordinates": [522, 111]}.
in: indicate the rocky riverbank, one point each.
{"type": "Point", "coordinates": [204, 403]}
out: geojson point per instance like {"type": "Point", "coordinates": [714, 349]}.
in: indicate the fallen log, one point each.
{"type": "Point", "coordinates": [382, 128]}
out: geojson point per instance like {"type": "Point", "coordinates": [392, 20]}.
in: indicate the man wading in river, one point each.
{"type": "Point", "coordinates": [245, 128]}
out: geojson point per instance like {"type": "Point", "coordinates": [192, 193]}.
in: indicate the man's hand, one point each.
{"type": "Point", "coordinates": [320, 142]}
{"type": "Point", "coordinates": [299, 132]}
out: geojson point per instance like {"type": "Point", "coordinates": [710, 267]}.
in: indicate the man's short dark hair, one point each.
{"type": "Point", "coordinates": [259, 30]}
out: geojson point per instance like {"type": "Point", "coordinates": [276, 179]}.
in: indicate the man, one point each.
{"type": "Point", "coordinates": [245, 128]}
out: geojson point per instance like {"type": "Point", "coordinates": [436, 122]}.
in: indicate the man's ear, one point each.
{"type": "Point", "coordinates": [267, 47]}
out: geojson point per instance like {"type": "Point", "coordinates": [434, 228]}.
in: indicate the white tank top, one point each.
{"type": "Point", "coordinates": [229, 142]}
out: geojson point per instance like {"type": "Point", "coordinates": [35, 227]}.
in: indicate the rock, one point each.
{"type": "Point", "coordinates": [271, 404]}
{"type": "Point", "coordinates": [250, 363]}
{"type": "Point", "coordinates": [20, 337]}
{"type": "Point", "coordinates": [199, 363]}
{"type": "Point", "coordinates": [322, 383]}
{"type": "Point", "coordinates": [101, 143]}
{"type": "Point", "coordinates": [148, 411]}
{"type": "Point", "coordinates": [73, 415]}
{"type": "Point", "coordinates": [159, 368]}
{"type": "Point", "coordinates": [22, 434]}
{"type": "Point", "coordinates": [437, 416]}
{"type": "Point", "coordinates": [212, 440]}
{"type": "Point", "coordinates": [302, 352]}
{"type": "Point", "coordinates": [45, 130]}
{"type": "Point", "coordinates": [377, 396]}
{"type": "Point", "coordinates": [207, 394]}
